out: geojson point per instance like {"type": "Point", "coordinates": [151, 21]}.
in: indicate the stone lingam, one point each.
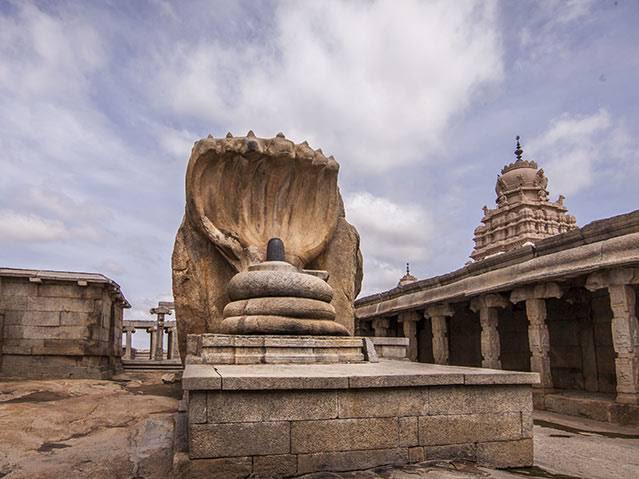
{"type": "Point", "coordinates": [265, 271]}
{"type": "Point", "coordinates": [275, 297]}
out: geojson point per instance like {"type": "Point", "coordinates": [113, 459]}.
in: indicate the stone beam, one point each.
{"type": "Point", "coordinates": [576, 261]}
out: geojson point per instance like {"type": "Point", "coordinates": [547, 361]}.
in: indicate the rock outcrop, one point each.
{"type": "Point", "coordinates": [243, 191]}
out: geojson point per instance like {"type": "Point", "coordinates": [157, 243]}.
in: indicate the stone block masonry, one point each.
{"type": "Point", "coordinates": [287, 420]}
{"type": "Point", "coordinates": [59, 324]}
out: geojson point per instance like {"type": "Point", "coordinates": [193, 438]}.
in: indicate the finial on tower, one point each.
{"type": "Point", "coordinates": [407, 278]}
{"type": "Point", "coordinates": [518, 151]}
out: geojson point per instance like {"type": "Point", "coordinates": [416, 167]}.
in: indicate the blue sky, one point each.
{"type": "Point", "coordinates": [420, 103]}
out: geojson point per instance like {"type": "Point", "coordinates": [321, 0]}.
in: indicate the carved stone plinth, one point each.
{"type": "Point", "coordinates": [264, 349]}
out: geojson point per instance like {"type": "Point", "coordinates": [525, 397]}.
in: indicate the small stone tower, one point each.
{"type": "Point", "coordinates": [523, 213]}
{"type": "Point", "coordinates": [407, 278]}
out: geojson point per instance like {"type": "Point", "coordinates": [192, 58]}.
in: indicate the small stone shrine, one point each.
{"type": "Point", "coordinates": [276, 385]}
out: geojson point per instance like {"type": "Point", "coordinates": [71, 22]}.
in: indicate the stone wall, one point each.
{"type": "Point", "coordinates": [59, 328]}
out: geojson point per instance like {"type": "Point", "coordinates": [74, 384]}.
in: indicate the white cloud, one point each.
{"type": "Point", "coordinates": [177, 143]}
{"type": "Point", "coordinates": [375, 83]}
{"type": "Point", "coordinates": [55, 56]}
{"type": "Point", "coordinates": [30, 228]}
{"type": "Point", "coordinates": [578, 149]}
{"type": "Point", "coordinates": [391, 235]}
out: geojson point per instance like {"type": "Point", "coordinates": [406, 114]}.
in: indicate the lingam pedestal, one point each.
{"type": "Point", "coordinates": [275, 384]}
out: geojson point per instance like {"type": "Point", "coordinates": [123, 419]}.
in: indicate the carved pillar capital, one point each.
{"type": "Point", "coordinates": [444, 310]}
{"type": "Point", "coordinates": [412, 316]}
{"type": "Point", "coordinates": [538, 291]}
{"type": "Point", "coordinates": [612, 277]}
{"type": "Point", "coordinates": [488, 301]}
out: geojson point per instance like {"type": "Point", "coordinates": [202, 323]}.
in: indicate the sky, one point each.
{"type": "Point", "coordinates": [419, 102]}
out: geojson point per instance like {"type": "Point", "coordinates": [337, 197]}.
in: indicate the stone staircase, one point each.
{"type": "Point", "coordinates": [172, 365]}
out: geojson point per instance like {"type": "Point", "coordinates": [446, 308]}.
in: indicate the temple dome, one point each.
{"type": "Point", "coordinates": [520, 173]}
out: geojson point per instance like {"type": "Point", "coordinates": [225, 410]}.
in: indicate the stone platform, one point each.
{"type": "Point", "coordinates": [595, 406]}
{"type": "Point", "coordinates": [288, 419]}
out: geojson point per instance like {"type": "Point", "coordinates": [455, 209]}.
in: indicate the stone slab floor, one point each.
{"type": "Point", "coordinates": [126, 429]}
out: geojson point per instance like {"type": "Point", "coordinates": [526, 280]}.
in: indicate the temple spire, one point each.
{"type": "Point", "coordinates": [519, 150]}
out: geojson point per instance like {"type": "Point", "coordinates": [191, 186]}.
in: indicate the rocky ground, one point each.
{"type": "Point", "coordinates": [87, 428]}
{"type": "Point", "coordinates": [126, 429]}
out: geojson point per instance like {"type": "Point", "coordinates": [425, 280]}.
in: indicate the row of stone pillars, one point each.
{"type": "Point", "coordinates": [156, 333]}
{"type": "Point", "coordinates": [625, 327]}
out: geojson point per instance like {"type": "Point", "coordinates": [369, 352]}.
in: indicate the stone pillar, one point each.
{"type": "Point", "coordinates": [158, 352]}
{"type": "Point", "coordinates": [172, 343]}
{"type": "Point", "coordinates": [538, 335]}
{"type": "Point", "coordinates": [169, 343]}
{"type": "Point", "coordinates": [409, 324]}
{"type": "Point", "coordinates": [539, 340]}
{"type": "Point", "coordinates": [625, 327]}
{"type": "Point", "coordinates": [128, 352]}
{"type": "Point", "coordinates": [439, 329]}
{"type": "Point", "coordinates": [152, 338]}
{"type": "Point", "coordinates": [488, 307]}
{"type": "Point", "coordinates": [380, 327]}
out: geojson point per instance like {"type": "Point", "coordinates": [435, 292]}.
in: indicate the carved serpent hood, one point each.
{"type": "Point", "coordinates": [242, 191]}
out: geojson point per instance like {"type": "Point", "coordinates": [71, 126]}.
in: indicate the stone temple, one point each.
{"type": "Point", "coordinates": [541, 295]}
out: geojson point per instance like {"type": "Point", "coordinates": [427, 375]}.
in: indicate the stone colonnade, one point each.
{"type": "Point", "coordinates": [620, 285]}
{"type": "Point", "coordinates": [156, 349]}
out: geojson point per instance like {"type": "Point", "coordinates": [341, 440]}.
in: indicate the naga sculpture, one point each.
{"type": "Point", "coordinates": [242, 192]}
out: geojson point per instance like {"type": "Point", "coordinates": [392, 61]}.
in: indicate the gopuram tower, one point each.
{"type": "Point", "coordinates": [523, 213]}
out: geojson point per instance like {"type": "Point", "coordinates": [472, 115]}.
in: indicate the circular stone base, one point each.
{"type": "Point", "coordinates": [282, 325]}
{"type": "Point", "coordinates": [302, 308]}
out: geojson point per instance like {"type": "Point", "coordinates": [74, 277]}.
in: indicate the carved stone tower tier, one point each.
{"type": "Point", "coordinates": [523, 214]}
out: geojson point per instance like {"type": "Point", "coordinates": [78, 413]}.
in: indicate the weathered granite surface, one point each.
{"type": "Point", "coordinates": [81, 428]}
{"type": "Point", "coordinates": [240, 193]}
